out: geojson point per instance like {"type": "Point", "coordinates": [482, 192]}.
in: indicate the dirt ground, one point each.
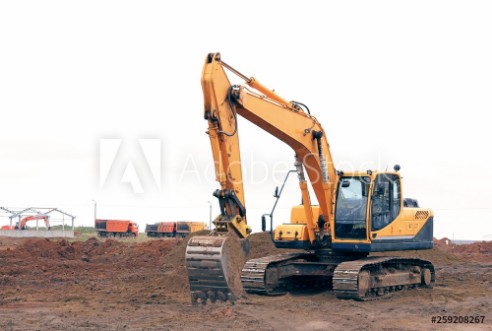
{"type": "Point", "coordinates": [121, 285]}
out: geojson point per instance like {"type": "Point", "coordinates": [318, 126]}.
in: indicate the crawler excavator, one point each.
{"type": "Point", "coordinates": [22, 224]}
{"type": "Point", "coordinates": [358, 212]}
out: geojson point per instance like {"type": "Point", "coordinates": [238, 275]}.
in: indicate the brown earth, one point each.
{"type": "Point", "coordinates": [120, 285]}
{"type": "Point", "coordinates": [477, 251]}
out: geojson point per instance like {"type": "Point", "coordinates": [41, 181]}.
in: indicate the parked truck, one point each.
{"type": "Point", "coordinates": [116, 228]}
{"type": "Point", "coordinates": [173, 229]}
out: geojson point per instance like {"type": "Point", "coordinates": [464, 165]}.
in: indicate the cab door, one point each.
{"type": "Point", "coordinates": [351, 209]}
{"type": "Point", "coordinates": [386, 201]}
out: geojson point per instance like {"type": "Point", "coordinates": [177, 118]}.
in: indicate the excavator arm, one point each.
{"type": "Point", "coordinates": [210, 272]}
{"type": "Point", "coordinates": [224, 139]}
{"type": "Point", "coordinates": [285, 120]}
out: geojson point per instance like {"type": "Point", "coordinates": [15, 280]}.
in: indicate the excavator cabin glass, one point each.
{"type": "Point", "coordinates": [386, 201]}
{"type": "Point", "coordinates": [351, 207]}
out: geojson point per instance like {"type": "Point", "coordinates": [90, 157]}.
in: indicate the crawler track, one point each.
{"type": "Point", "coordinates": [254, 275]}
{"type": "Point", "coordinates": [375, 277]}
{"type": "Point", "coordinates": [362, 279]}
{"type": "Point", "coordinates": [277, 274]}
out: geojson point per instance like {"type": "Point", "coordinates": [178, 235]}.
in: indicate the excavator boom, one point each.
{"type": "Point", "coordinates": [209, 275]}
{"type": "Point", "coordinates": [285, 120]}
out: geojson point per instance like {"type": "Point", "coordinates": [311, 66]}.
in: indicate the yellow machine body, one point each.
{"type": "Point", "coordinates": [402, 229]}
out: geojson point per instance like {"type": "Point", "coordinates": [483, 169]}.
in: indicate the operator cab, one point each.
{"type": "Point", "coordinates": [364, 201]}
{"type": "Point", "coordinates": [371, 215]}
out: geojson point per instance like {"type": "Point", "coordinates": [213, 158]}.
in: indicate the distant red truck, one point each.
{"type": "Point", "coordinates": [173, 229]}
{"type": "Point", "coordinates": [116, 228]}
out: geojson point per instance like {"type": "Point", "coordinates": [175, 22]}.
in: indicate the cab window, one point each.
{"type": "Point", "coordinates": [386, 202]}
{"type": "Point", "coordinates": [351, 205]}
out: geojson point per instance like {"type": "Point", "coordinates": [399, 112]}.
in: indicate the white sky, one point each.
{"type": "Point", "coordinates": [392, 82]}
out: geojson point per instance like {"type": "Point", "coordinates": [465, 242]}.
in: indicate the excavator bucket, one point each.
{"type": "Point", "coordinates": [214, 268]}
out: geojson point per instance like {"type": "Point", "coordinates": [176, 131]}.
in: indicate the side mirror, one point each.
{"type": "Point", "coordinates": [275, 195]}
{"type": "Point", "coordinates": [345, 183]}
{"type": "Point", "coordinates": [263, 223]}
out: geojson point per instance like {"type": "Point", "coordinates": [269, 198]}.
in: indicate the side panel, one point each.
{"type": "Point", "coordinates": [197, 226]}
{"type": "Point", "coordinates": [291, 236]}
{"type": "Point", "coordinates": [423, 239]}
{"type": "Point", "coordinates": [117, 226]}
{"type": "Point", "coordinates": [166, 227]}
{"type": "Point", "coordinates": [298, 215]}
{"type": "Point", "coordinates": [408, 223]}
{"type": "Point", "coordinates": [151, 228]}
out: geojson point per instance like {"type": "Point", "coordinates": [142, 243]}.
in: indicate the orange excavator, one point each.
{"type": "Point", "coordinates": [358, 213]}
{"type": "Point", "coordinates": [22, 224]}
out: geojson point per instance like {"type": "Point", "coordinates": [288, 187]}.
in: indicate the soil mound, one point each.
{"type": "Point", "coordinates": [477, 251]}
{"type": "Point", "coordinates": [262, 245]}
{"type": "Point", "coordinates": [155, 268]}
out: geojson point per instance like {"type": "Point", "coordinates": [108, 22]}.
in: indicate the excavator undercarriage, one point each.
{"type": "Point", "coordinates": [364, 278]}
{"type": "Point", "coordinates": [360, 279]}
